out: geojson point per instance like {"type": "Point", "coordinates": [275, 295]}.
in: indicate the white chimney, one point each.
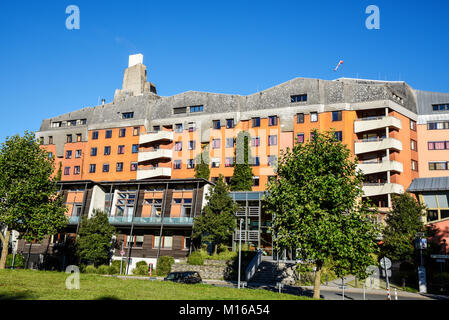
{"type": "Point", "coordinates": [135, 59]}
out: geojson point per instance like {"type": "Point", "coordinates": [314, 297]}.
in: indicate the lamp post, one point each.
{"type": "Point", "coordinates": [240, 251]}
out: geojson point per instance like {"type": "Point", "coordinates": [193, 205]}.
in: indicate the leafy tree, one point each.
{"type": "Point", "coordinates": [95, 238]}
{"type": "Point", "coordinates": [402, 224]}
{"type": "Point", "coordinates": [218, 221]}
{"type": "Point", "coordinates": [242, 178]}
{"type": "Point", "coordinates": [29, 200]}
{"type": "Point", "coordinates": [202, 165]}
{"type": "Point", "coordinates": [317, 209]}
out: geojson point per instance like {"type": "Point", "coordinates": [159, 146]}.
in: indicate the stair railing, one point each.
{"type": "Point", "coordinates": [253, 265]}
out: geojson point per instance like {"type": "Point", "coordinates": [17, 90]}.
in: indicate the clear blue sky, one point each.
{"type": "Point", "coordinates": [237, 47]}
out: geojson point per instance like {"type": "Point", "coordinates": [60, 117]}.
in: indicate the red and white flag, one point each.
{"type": "Point", "coordinates": [339, 64]}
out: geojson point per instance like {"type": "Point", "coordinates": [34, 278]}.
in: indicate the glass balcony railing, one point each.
{"type": "Point", "coordinates": [151, 220]}
{"type": "Point", "coordinates": [74, 220]}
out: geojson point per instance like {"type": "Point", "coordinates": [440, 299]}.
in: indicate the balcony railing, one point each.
{"type": "Point", "coordinates": [376, 144]}
{"type": "Point", "coordinates": [155, 136]}
{"type": "Point", "coordinates": [151, 220]}
{"type": "Point", "coordinates": [247, 235]}
{"type": "Point", "coordinates": [74, 220]}
{"type": "Point", "coordinates": [375, 123]}
{"type": "Point", "coordinates": [153, 172]}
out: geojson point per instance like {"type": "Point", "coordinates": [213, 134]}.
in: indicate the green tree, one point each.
{"type": "Point", "coordinates": [218, 221]}
{"type": "Point", "coordinates": [95, 239]}
{"type": "Point", "coordinates": [29, 200]}
{"type": "Point", "coordinates": [317, 209]}
{"type": "Point", "coordinates": [202, 165]}
{"type": "Point", "coordinates": [402, 224]}
{"type": "Point", "coordinates": [242, 178]}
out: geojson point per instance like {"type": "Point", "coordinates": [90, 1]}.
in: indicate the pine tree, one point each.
{"type": "Point", "coordinates": [242, 178]}
{"type": "Point", "coordinates": [202, 165]}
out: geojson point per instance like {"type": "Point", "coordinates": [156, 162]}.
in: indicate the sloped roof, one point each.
{"type": "Point", "coordinates": [429, 184]}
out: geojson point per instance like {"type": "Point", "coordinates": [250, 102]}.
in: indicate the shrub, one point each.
{"type": "Point", "coordinates": [91, 269]}
{"type": "Point", "coordinates": [141, 263]}
{"type": "Point", "coordinates": [164, 265]}
{"type": "Point", "coordinates": [195, 258]}
{"type": "Point", "coordinates": [103, 269]}
{"type": "Point", "coordinates": [115, 267]}
{"type": "Point", "coordinates": [19, 261]}
{"type": "Point", "coordinates": [141, 271]}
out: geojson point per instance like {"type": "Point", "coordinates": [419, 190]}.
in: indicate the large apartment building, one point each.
{"type": "Point", "coordinates": [396, 132]}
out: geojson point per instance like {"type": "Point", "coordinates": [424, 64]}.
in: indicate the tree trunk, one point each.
{"type": "Point", "coordinates": [316, 287]}
{"type": "Point", "coordinates": [5, 243]}
{"type": "Point", "coordinates": [215, 249]}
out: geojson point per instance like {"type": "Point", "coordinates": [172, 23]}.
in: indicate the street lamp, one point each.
{"type": "Point", "coordinates": [240, 251]}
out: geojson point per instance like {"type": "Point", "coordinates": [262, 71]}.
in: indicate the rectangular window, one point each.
{"type": "Point", "coordinates": [108, 134]}
{"type": "Point", "coordinates": [192, 126]}
{"type": "Point", "coordinates": [255, 141]}
{"type": "Point", "coordinates": [94, 135]}
{"type": "Point", "coordinates": [179, 110]}
{"type": "Point", "coordinates": [135, 148]}
{"type": "Point", "coordinates": [68, 154]}
{"type": "Point", "coordinates": [440, 107]}
{"type": "Point", "coordinates": [431, 145]}
{"type": "Point", "coordinates": [230, 142]}
{"type": "Point", "coordinates": [76, 170]}
{"type": "Point", "coordinates": [300, 118]}
{"type": "Point", "coordinates": [256, 181]}
{"type": "Point", "coordinates": [437, 166]}
{"type": "Point", "coordinates": [312, 136]}
{"type": "Point", "coordinates": [339, 135]}
{"type": "Point", "coordinates": [190, 164]}
{"type": "Point", "coordinates": [178, 146]}
{"type": "Point", "coordinates": [69, 138]}
{"type": "Point", "coordinates": [177, 164]}
{"type": "Point", "coordinates": [256, 161]}
{"type": "Point", "coordinates": [66, 171]}
{"type": "Point", "coordinates": [83, 121]}
{"type": "Point", "coordinates": [121, 150]}
{"type": "Point", "coordinates": [413, 145]}
{"type": "Point", "coordinates": [313, 117]}
{"type": "Point", "coordinates": [216, 124]}
{"type": "Point", "coordinates": [56, 124]}
{"type": "Point", "coordinates": [300, 137]}
{"type": "Point", "coordinates": [50, 140]}
{"type": "Point", "coordinates": [133, 166]}
{"type": "Point", "coordinates": [196, 109]}
{"type": "Point", "coordinates": [437, 125]}
{"type": "Point", "coordinates": [273, 120]}
{"type": "Point", "coordinates": [93, 152]}
{"type": "Point", "coordinates": [106, 167]}
{"type": "Point", "coordinates": [127, 115]}
{"type": "Point", "coordinates": [216, 143]}
{"type": "Point", "coordinates": [255, 122]}
{"type": "Point", "coordinates": [136, 131]}
{"type": "Point", "coordinates": [178, 128]}
{"type": "Point", "coordinates": [229, 161]}
{"type": "Point", "coordinates": [336, 116]}
{"type": "Point", "coordinates": [440, 145]}
{"type": "Point", "coordinates": [107, 150]}
{"type": "Point", "coordinates": [71, 123]}
{"type": "Point", "coordinates": [192, 145]}
{"type": "Point", "coordinates": [272, 160]}
{"type": "Point", "coordinates": [119, 167]}
{"type": "Point", "coordinates": [122, 132]}
{"type": "Point", "coordinates": [215, 162]}
{"type": "Point", "coordinates": [50, 155]}
{"type": "Point", "coordinates": [78, 137]}
{"type": "Point", "coordinates": [414, 165]}
{"type": "Point", "coordinates": [92, 168]}
{"type": "Point", "coordinates": [229, 123]}
{"type": "Point", "coordinates": [412, 125]}
{"type": "Point", "coordinates": [272, 140]}
{"type": "Point", "coordinates": [156, 128]}
{"type": "Point", "coordinates": [298, 98]}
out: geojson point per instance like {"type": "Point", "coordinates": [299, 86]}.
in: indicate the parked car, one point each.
{"type": "Point", "coordinates": [184, 277]}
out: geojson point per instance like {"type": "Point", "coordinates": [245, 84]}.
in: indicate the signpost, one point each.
{"type": "Point", "coordinates": [385, 264]}
{"type": "Point", "coordinates": [421, 244]}
{"type": "Point", "coordinates": [122, 253]}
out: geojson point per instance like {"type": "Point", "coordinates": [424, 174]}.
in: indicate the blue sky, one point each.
{"type": "Point", "coordinates": [237, 47]}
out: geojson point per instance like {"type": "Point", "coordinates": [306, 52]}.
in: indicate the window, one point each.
{"type": "Point", "coordinates": [300, 137]}
{"type": "Point", "coordinates": [432, 215]}
{"type": "Point", "coordinates": [108, 134]}
{"type": "Point", "coordinates": [179, 110]}
{"type": "Point", "coordinates": [216, 143]}
{"type": "Point", "coordinates": [438, 166]}
{"type": "Point", "coordinates": [440, 107]}
{"type": "Point", "coordinates": [178, 128]}
{"type": "Point", "coordinates": [122, 132]}
{"type": "Point", "coordinates": [313, 117]}
{"type": "Point", "coordinates": [41, 140]}
{"type": "Point", "coordinates": [192, 126]}
{"type": "Point", "coordinates": [50, 155]}
{"type": "Point", "coordinates": [106, 167]}
{"type": "Point", "coordinates": [178, 146]}
{"type": "Point", "coordinates": [256, 161]}
{"type": "Point", "coordinates": [215, 162]}
{"type": "Point", "coordinates": [66, 171]}
{"type": "Point", "coordinates": [256, 181]}
{"type": "Point", "coordinates": [196, 109]}
{"type": "Point", "coordinates": [56, 124]}
{"type": "Point", "coordinates": [272, 160]}
{"type": "Point", "coordinates": [83, 121]}
{"type": "Point", "coordinates": [134, 241]}
{"type": "Point", "coordinates": [119, 167]}
{"type": "Point", "coordinates": [339, 135]}
{"type": "Point", "coordinates": [94, 135]}
{"type": "Point", "coordinates": [229, 123]}
{"type": "Point", "coordinates": [192, 145]}
{"type": "Point", "coordinates": [438, 145]}
{"type": "Point", "coordinates": [336, 115]}
{"type": "Point", "coordinates": [78, 137]}
{"type": "Point", "coordinates": [190, 164]}
{"type": "Point", "coordinates": [133, 166]}
{"type": "Point", "coordinates": [136, 131]}
{"type": "Point", "coordinates": [229, 161]}
{"type": "Point", "coordinates": [255, 122]}
{"type": "Point", "coordinates": [230, 142]}
{"type": "Point", "coordinates": [228, 180]}
{"type": "Point", "coordinates": [78, 153]}
{"type": "Point", "coordinates": [216, 124]}
{"type": "Point", "coordinates": [300, 118]}
{"type": "Point", "coordinates": [71, 123]}
{"type": "Point", "coordinates": [92, 168]}
{"type": "Point", "coordinates": [414, 165]}
{"type": "Point", "coordinates": [413, 145]}
{"type": "Point", "coordinates": [255, 141]}
{"type": "Point", "coordinates": [437, 125]}
{"type": "Point", "coordinates": [107, 150]}
{"type": "Point", "coordinates": [177, 164]}
{"type": "Point", "coordinates": [93, 152]}
{"type": "Point", "coordinates": [298, 98]}
{"type": "Point", "coordinates": [127, 115]}
{"type": "Point", "coordinates": [121, 150]}
{"type": "Point", "coordinates": [68, 154]}
{"type": "Point", "coordinates": [272, 140]}
{"type": "Point", "coordinates": [156, 128]}
{"type": "Point", "coordinates": [69, 138]}
{"type": "Point", "coordinates": [412, 125]}
{"type": "Point", "coordinates": [50, 140]}
{"type": "Point", "coordinates": [166, 242]}
{"type": "Point", "coordinates": [273, 120]}
{"type": "Point", "coordinates": [312, 136]}
{"type": "Point", "coordinates": [135, 148]}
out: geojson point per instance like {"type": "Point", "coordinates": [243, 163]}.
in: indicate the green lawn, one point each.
{"type": "Point", "coordinates": [45, 285]}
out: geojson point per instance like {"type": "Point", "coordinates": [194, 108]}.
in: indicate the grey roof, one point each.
{"type": "Point", "coordinates": [429, 184]}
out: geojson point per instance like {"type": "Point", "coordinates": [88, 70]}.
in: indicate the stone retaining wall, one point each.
{"type": "Point", "coordinates": [212, 269]}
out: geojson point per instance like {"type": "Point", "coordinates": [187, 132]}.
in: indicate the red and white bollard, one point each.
{"type": "Point", "coordinates": [388, 294]}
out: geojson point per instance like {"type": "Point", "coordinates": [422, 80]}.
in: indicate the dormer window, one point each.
{"type": "Point", "coordinates": [196, 109]}
{"type": "Point", "coordinates": [440, 107]}
{"type": "Point", "coordinates": [127, 115]}
{"type": "Point", "coordinates": [298, 98]}
{"type": "Point", "coordinates": [180, 110]}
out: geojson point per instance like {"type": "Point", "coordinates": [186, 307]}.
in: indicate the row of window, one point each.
{"type": "Point", "coordinates": [121, 133]}
{"type": "Point", "coordinates": [300, 136]}
{"type": "Point", "coordinates": [192, 109]}
{"type": "Point", "coordinates": [107, 151]}
{"type": "Point", "coordinates": [93, 167]}
{"type": "Point", "coordinates": [438, 125]}
{"type": "Point", "coordinates": [438, 145]}
{"type": "Point", "coordinates": [68, 123]}
{"type": "Point", "coordinates": [440, 107]}
{"type": "Point", "coordinates": [229, 162]}
{"type": "Point", "coordinates": [255, 122]}
{"type": "Point", "coordinates": [256, 180]}
{"type": "Point", "coordinates": [439, 165]}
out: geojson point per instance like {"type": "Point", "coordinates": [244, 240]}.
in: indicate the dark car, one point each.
{"type": "Point", "coordinates": [184, 277]}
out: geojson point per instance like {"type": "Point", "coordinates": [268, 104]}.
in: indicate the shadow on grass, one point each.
{"type": "Point", "coordinates": [15, 296]}
{"type": "Point", "coordinates": [107, 298]}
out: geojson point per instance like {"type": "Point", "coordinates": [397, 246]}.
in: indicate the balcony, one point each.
{"type": "Point", "coordinates": [150, 220]}
{"type": "Point", "coordinates": [247, 235]}
{"type": "Point", "coordinates": [159, 172]}
{"type": "Point", "coordinates": [375, 144]}
{"type": "Point", "coordinates": [376, 167]}
{"type": "Point", "coordinates": [74, 220]}
{"type": "Point", "coordinates": [158, 136]}
{"type": "Point", "coordinates": [377, 189]}
{"type": "Point", "coordinates": [155, 155]}
{"type": "Point", "coordinates": [374, 123]}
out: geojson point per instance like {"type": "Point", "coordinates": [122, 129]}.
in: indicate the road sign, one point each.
{"type": "Point", "coordinates": [421, 243]}
{"type": "Point", "coordinates": [388, 273]}
{"type": "Point", "coordinates": [439, 256]}
{"type": "Point", "coordinates": [122, 253]}
{"type": "Point", "coordinates": [385, 263]}
{"type": "Point", "coordinates": [422, 279]}
{"type": "Point", "coordinates": [441, 260]}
